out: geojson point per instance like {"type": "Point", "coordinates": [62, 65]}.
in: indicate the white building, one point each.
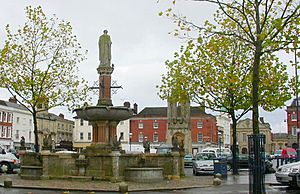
{"type": "Point", "coordinates": [15, 121]}
{"type": "Point", "coordinates": [223, 124]}
{"type": "Point", "coordinates": [82, 134]}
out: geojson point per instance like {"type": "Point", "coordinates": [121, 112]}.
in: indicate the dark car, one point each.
{"type": "Point", "coordinates": [243, 162]}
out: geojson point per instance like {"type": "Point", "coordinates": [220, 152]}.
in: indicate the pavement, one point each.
{"type": "Point", "coordinates": [99, 186]}
{"type": "Point", "coordinates": [238, 182]}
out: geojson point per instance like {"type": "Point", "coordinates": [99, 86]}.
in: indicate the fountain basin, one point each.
{"type": "Point", "coordinates": [144, 174]}
{"type": "Point", "coordinates": [99, 113]}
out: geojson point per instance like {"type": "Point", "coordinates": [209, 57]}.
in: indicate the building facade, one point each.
{"type": "Point", "coordinates": [224, 125]}
{"type": "Point", "coordinates": [82, 134]}
{"type": "Point", "coordinates": [152, 122]}
{"type": "Point", "coordinates": [15, 122]}
{"type": "Point", "coordinates": [293, 123]}
{"type": "Point", "coordinates": [244, 128]}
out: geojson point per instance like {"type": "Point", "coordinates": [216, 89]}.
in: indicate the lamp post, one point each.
{"type": "Point", "coordinates": [130, 136]}
{"type": "Point", "coordinates": [297, 104]}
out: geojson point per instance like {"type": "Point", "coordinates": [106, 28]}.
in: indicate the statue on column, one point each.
{"type": "Point", "coordinates": [104, 49]}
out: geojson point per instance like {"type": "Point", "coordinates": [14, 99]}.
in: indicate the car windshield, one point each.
{"type": "Point", "coordinates": [278, 152]}
{"type": "Point", "coordinates": [205, 156]}
{"type": "Point", "coordinates": [188, 156]}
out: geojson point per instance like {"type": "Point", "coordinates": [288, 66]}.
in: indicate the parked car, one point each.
{"type": "Point", "coordinates": [243, 162]}
{"type": "Point", "coordinates": [276, 154]}
{"type": "Point", "coordinates": [8, 161]}
{"type": "Point", "coordinates": [204, 163]}
{"type": "Point", "coordinates": [188, 160]}
{"type": "Point", "coordinates": [224, 152]}
{"type": "Point", "coordinates": [294, 176]}
{"type": "Point", "coordinates": [282, 174]}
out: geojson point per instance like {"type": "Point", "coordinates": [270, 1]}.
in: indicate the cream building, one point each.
{"type": "Point", "coordinates": [82, 135]}
{"type": "Point", "coordinates": [244, 128]}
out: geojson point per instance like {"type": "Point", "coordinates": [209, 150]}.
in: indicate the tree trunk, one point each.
{"type": "Point", "coordinates": [36, 137]}
{"type": "Point", "coordinates": [234, 146]}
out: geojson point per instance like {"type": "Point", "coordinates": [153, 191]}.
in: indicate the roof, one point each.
{"type": "Point", "coordinates": [163, 111]}
{"type": "Point", "coordinates": [12, 105]}
{"type": "Point", "coordinates": [294, 103]}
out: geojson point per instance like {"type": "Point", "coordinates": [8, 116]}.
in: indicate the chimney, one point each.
{"type": "Point", "coordinates": [127, 104]}
{"type": "Point", "coordinates": [61, 116]}
{"type": "Point", "coordinates": [13, 99]}
{"type": "Point", "coordinates": [135, 108]}
{"type": "Point", "coordinates": [261, 119]}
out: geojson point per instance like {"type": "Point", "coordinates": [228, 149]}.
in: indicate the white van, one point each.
{"type": "Point", "coordinates": [224, 151]}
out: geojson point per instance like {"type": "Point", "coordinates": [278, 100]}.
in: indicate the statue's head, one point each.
{"type": "Point", "coordinates": [105, 31]}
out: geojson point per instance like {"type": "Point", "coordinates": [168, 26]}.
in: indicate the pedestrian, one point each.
{"type": "Point", "coordinates": [284, 155]}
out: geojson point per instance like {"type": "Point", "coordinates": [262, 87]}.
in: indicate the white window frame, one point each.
{"type": "Point", "coordinates": [293, 116]}
{"type": "Point", "coordinates": [81, 136]}
{"type": "Point", "coordinates": [89, 136]}
{"type": "Point", "coordinates": [4, 117]}
{"type": "Point", "coordinates": [155, 137]}
{"type": "Point", "coordinates": [141, 137]}
{"type": "Point", "coordinates": [198, 137]}
{"type": "Point", "coordinates": [141, 125]}
{"type": "Point", "coordinates": [199, 124]}
{"type": "Point", "coordinates": [155, 124]}
{"type": "Point", "coordinates": [0, 116]}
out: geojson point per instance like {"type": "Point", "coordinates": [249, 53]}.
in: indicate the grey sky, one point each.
{"type": "Point", "coordinates": [140, 41]}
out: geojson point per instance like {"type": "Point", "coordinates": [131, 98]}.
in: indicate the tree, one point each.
{"type": "Point", "coordinates": [266, 26]}
{"type": "Point", "coordinates": [38, 64]}
{"type": "Point", "coordinates": [215, 72]}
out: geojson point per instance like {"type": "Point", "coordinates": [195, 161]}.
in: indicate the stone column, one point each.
{"type": "Point", "coordinates": [45, 158]}
{"type": "Point", "coordinates": [115, 166]}
{"type": "Point", "coordinates": [176, 166]}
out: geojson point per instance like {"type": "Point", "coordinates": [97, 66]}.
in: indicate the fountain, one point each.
{"type": "Point", "coordinates": [104, 159]}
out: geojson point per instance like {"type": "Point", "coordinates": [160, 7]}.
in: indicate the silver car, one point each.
{"type": "Point", "coordinates": [204, 163]}
{"type": "Point", "coordinates": [282, 174]}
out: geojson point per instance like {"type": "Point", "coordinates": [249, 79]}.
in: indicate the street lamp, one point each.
{"type": "Point", "coordinates": [130, 136]}
{"type": "Point", "coordinates": [297, 104]}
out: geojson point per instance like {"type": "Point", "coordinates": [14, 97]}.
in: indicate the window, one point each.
{"type": "Point", "coordinates": [141, 125]}
{"type": "Point", "coordinates": [9, 117]}
{"type": "Point", "coordinates": [294, 130]}
{"type": "Point", "coordinates": [18, 119]}
{"type": "Point", "coordinates": [199, 124]}
{"type": "Point", "coordinates": [155, 137]}
{"type": "Point", "coordinates": [200, 137]}
{"type": "Point", "coordinates": [62, 126]}
{"type": "Point", "coordinates": [8, 131]}
{"type": "Point", "coordinates": [4, 118]}
{"type": "Point", "coordinates": [122, 135]}
{"type": "Point", "coordinates": [121, 122]}
{"type": "Point", "coordinates": [17, 134]}
{"type": "Point", "coordinates": [4, 128]}
{"type": "Point", "coordinates": [81, 136]}
{"type": "Point", "coordinates": [30, 122]}
{"type": "Point", "coordinates": [89, 135]}
{"type": "Point", "coordinates": [81, 122]}
{"type": "Point", "coordinates": [58, 125]}
{"type": "Point", "coordinates": [294, 116]}
{"type": "Point", "coordinates": [155, 125]}
{"type": "Point", "coordinates": [29, 136]}
{"type": "Point", "coordinates": [141, 137]}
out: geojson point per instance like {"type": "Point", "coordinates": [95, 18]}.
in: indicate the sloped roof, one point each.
{"type": "Point", "coordinates": [162, 111]}
{"type": "Point", "coordinates": [12, 105]}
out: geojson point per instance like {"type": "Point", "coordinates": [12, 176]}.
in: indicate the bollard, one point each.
{"type": "Point", "coordinates": [123, 187]}
{"type": "Point", "coordinates": [8, 183]}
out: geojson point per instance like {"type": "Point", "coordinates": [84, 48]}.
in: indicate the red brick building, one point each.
{"type": "Point", "coordinates": [293, 115]}
{"type": "Point", "coordinates": [152, 122]}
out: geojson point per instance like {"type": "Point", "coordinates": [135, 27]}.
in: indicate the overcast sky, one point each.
{"type": "Point", "coordinates": [140, 42]}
